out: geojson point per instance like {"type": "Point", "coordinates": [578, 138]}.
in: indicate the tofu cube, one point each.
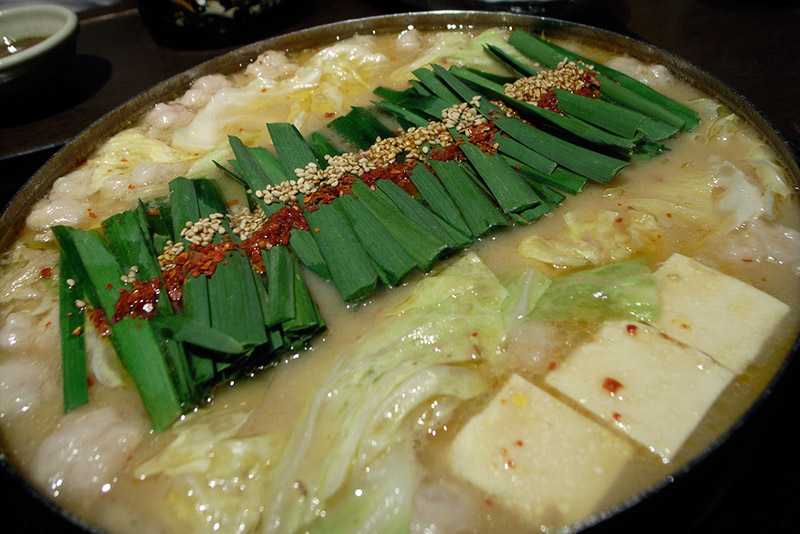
{"type": "Point", "coordinates": [724, 317]}
{"type": "Point", "coordinates": [652, 387]}
{"type": "Point", "coordinates": [537, 456]}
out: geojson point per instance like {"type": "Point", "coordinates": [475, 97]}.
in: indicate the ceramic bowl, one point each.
{"type": "Point", "coordinates": [37, 44]}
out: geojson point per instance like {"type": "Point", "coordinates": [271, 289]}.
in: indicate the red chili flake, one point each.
{"type": "Point", "coordinates": [487, 502]}
{"type": "Point", "coordinates": [100, 321]}
{"type": "Point", "coordinates": [591, 86]}
{"type": "Point", "coordinates": [78, 331]}
{"type": "Point", "coordinates": [124, 160]}
{"type": "Point", "coordinates": [329, 194]}
{"type": "Point", "coordinates": [549, 101]}
{"type": "Point", "coordinates": [264, 90]}
{"type": "Point", "coordinates": [330, 114]}
{"type": "Point", "coordinates": [618, 219]}
{"type": "Point", "coordinates": [631, 328]}
{"type": "Point", "coordinates": [274, 232]}
{"type": "Point", "coordinates": [511, 464]}
{"type": "Point", "coordinates": [173, 281]}
{"type": "Point", "coordinates": [131, 186]}
{"type": "Point", "coordinates": [47, 272]}
{"type": "Point", "coordinates": [154, 212]}
{"type": "Point", "coordinates": [138, 326]}
{"type": "Point", "coordinates": [92, 214]}
{"type": "Point", "coordinates": [503, 452]}
{"type": "Point", "coordinates": [616, 416]}
{"type": "Point", "coordinates": [316, 229]}
{"type": "Point", "coordinates": [398, 172]}
{"type": "Point", "coordinates": [109, 286]}
{"type": "Point", "coordinates": [483, 137]}
{"type": "Point", "coordinates": [552, 366]}
{"type": "Point", "coordinates": [518, 443]}
{"type": "Point", "coordinates": [669, 215]}
{"type": "Point", "coordinates": [449, 153]}
{"type": "Point", "coordinates": [685, 326]}
{"type": "Point", "coordinates": [233, 202]}
{"type": "Point", "coordinates": [141, 300]}
{"type": "Point", "coordinates": [747, 260]}
{"type": "Point", "coordinates": [611, 385]}
{"type": "Point", "coordinates": [48, 324]}
{"type": "Point", "coordinates": [474, 334]}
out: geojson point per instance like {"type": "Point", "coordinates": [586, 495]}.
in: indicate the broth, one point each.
{"type": "Point", "coordinates": [183, 137]}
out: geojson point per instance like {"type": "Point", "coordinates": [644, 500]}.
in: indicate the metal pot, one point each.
{"type": "Point", "coordinates": [675, 504]}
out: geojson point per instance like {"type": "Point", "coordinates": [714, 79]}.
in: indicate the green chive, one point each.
{"type": "Point", "coordinates": [292, 150]}
{"type": "Point", "coordinates": [585, 162]}
{"type": "Point", "coordinates": [478, 211]}
{"type": "Point", "coordinates": [136, 343]}
{"type": "Point", "coordinates": [435, 86]}
{"type": "Point", "coordinates": [428, 104]}
{"type": "Point", "coordinates": [422, 245]}
{"type": "Point", "coordinates": [405, 117]}
{"type": "Point", "coordinates": [436, 196]}
{"type": "Point", "coordinates": [321, 148]}
{"type": "Point", "coordinates": [615, 119]}
{"type": "Point", "coordinates": [513, 64]}
{"type": "Point", "coordinates": [412, 208]}
{"type": "Point", "coordinates": [519, 152]}
{"type": "Point", "coordinates": [73, 348]}
{"type": "Point", "coordinates": [391, 261]}
{"type": "Point", "coordinates": [184, 329]}
{"type": "Point", "coordinates": [280, 280]}
{"type": "Point", "coordinates": [351, 269]}
{"type": "Point", "coordinates": [560, 178]}
{"type": "Point", "coordinates": [507, 187]}
{"type": "Point", "coordinates": [351, 131]}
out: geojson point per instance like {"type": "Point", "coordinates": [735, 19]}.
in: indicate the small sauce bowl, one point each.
{"type": "Point", "coordinates": [37, 44]}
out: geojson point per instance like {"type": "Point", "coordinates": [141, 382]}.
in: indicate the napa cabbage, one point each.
{"type": "Point", "coordinates": [594, 238]}
{"type": "Point", "coordinates": [216, 477]}
{"type": "Point", "coordinates": [402, 380]}
{"type": "Point", "coordinates": [123, 152]}
{"type": "Point", "coordinates": [720, 124]}
{"type": "Point", "coordinates": [613, 292]}
{"type": "Point", "coordinates": [458, 48]}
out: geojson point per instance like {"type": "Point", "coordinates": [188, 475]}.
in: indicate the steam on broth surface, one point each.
{"type": "Point", "coordinates": [415, 410]}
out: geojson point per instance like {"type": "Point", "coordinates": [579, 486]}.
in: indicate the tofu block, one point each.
{"type": "Point", "coordinates": [652, 387]}
{"type": "Point", "coordinates": [537, 456]}
{"type": "Point", "coordinates": [724, 317]}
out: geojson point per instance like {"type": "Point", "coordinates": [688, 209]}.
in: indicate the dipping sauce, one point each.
{"type": "Point", "coordinates": [12, 46]}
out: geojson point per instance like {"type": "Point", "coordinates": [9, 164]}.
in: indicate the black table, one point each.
{"type": "Point", "coordinates": [750, 46]}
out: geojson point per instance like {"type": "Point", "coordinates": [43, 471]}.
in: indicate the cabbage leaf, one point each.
{"type": "Point", "coordinates": [594, 238]}
{"type": "Point", "coordinates": [216, 477]}
{"type": "Point", "coordinates": [402, 380]}
{"type": "Point", "coordinates": [614, 292]}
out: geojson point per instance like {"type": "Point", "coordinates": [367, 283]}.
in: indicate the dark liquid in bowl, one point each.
{"type": "Point", "coordinates": [11, 46]}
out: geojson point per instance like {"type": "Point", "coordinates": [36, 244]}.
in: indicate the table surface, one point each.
{"type": "Point", "coordinates": [748, 45]}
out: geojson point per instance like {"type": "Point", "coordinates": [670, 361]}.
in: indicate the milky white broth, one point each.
{"type": "Point", "coordinates": [30, 397]}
